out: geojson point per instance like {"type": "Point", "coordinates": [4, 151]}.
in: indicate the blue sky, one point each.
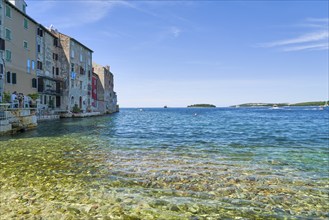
{"type": "Point", "coordinates": [178, 53]}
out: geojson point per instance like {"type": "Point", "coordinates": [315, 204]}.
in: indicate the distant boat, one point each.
{"type": "Point", "coordinates": [275, 107]}
{"type": "Point", "coordinates": [165, 106]}
{"type": "Point", "coordinates": [323, 107]}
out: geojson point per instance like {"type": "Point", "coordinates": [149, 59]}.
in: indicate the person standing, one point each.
{"type": "Point", "coordinates": [14, 101]}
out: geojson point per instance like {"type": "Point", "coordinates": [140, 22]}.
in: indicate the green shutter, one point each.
{"type": "Point", "coordinates": [26, 24]}
{"type": "Point", "coordinates": [8, 55]}
{"type": "Point", "coordinates": [14, 78]}
{"type": "Point", "coordinates": [8, 11]}
{"type": "Point", "coordinates": [8, 34]}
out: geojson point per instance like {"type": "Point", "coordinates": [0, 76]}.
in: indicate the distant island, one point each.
{"type": "Point", "coordinates": [314, 103]}
{"type": "Point", "coordinates": [201, 106]}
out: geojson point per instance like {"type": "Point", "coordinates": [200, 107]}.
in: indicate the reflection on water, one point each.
{"type": "Point", "coordinates": [170, 164]}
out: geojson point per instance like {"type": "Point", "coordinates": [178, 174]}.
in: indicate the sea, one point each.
{"type": "Point", "coordinates": [170, 163]}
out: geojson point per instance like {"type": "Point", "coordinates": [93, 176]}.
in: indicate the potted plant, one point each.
{"type": "Point", "coordinates": [6, 97]}
{"type": "Point", "coordinates": [76, 109]}
{"type": "Point", "coordinates": [33, 97]}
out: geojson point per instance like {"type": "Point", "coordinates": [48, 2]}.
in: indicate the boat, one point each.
{"type": "Point", "coordinates": [165, 106]}
{"type": "Point", "coordinates": [275, 107]}
{"type": "Point", "coordinates": [325, 106]}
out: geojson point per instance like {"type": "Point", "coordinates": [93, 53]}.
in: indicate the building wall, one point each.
{"type": "Point", "coordinates": [98, 102]}
{"type": "Point", "coordinates": [20, 4]}
{"type": "Point", "coordinates": [28, 57]}
{"type": "Point", "coordinates": [78, 65]}
{"type": "Point", "coordinates": [2, 75]}
{"type": "Point", "coordinates": [106, 79]}
{"type": "Point", "coordinates": [50, 80]}
{"type": "Point", "coordinates": [20, 56]}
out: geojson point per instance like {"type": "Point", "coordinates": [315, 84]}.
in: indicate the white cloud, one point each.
{"type": "Point", "coordinates": [73, 13]}
{"type": "Point", "coordinates": [323, 46]}
{"type": "Point", "coordinates": [175, 31]}
{"type": "Point", "coordinates": [306, 38]}
{"type": "Point", "coordinates": [87, 12]}
{"type": "Point", "coordinates": [312, 40]}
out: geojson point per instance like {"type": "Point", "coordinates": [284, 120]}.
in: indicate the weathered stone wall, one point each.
{"type": "Point", "coordinates": [17, 120]}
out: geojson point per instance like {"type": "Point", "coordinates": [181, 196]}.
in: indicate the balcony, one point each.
{"type": "Point", "coordinates": [49, 89]}
{"type": "Point", "coordinates": [56, 78]}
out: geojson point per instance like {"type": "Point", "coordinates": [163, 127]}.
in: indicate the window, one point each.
{"type": "Point", "coordinates": [2, 44]}
{"type": "Point", "coordinates": [82, 71]}
{"type": "Point", "coordinates": [55, 56]}
{"type": "Point", "coordinates": [40, 32]}
{"type": "Point", "coordinates": [72, 67]}
{"type": "Point", "coordinates": [72, 53]}
{"type": "Point", "coordinates": [57, 71]}
{"type": "Point", "coordinates": [26, 25]}
{"type": "Point", "coordinates": [28, 65]}
{"type": "Point", "coordinates": [72, 83]}
{"type": "Point", "coordinates": [8, 77]}
{"type": "Point", "coordinates": [1, 68]}
{"type": "Point", "coordinates": [8, 11]}
{"type": "Point", "coordinates": [81, 58]}
{"type": "Point", "coordinates": [14, 80]}
{"type": "Point", "coordinates": [55, 42]}
{"type": "Point", "coordinates": [39, 65]}
{"type": "Point", "coordinates": [25, 45]}
{"type": "Point", "coordinates": [53, 70]}
{"type": "Point", "coordinates": [34, 83]}
{"type": "Point", "coordinates": [8, 34]}
{"type": "Point", "coordinates": [39, 48]}
{"type": "Point", "coordinates": [32, 64]}
{"type": "Point", "coordinates": [24, 8]}
{"type": "Point", "coordinates": [8, 55]}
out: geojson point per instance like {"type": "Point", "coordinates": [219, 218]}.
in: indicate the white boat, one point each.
{"type": "Point", "coordinates": [325, 106]}
{"type": "Point", "coordinates": [275, 107]}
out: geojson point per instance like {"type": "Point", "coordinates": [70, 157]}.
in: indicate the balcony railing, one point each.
{"type": "Point", "coordinates": [49, 91]}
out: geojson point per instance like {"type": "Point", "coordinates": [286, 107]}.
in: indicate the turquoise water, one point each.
{"type": "Point", "coordinates": [174, 163]}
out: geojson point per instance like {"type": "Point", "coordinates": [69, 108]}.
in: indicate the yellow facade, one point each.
{"type": "Point", "coordinates": [20, 51]}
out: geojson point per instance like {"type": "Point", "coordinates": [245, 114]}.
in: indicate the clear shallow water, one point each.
{"type": "Point", "coordinates": [171, 164]}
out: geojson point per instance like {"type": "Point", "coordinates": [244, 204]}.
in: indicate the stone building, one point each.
{"type": "Point", "coordinates": [40, 61]}
{"type": "Point", "coordinates": [107, 81]}
{"type": "Point", "coordinates": [76, 60]}
{"type": "Point", "coordinates": [50, 78]}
